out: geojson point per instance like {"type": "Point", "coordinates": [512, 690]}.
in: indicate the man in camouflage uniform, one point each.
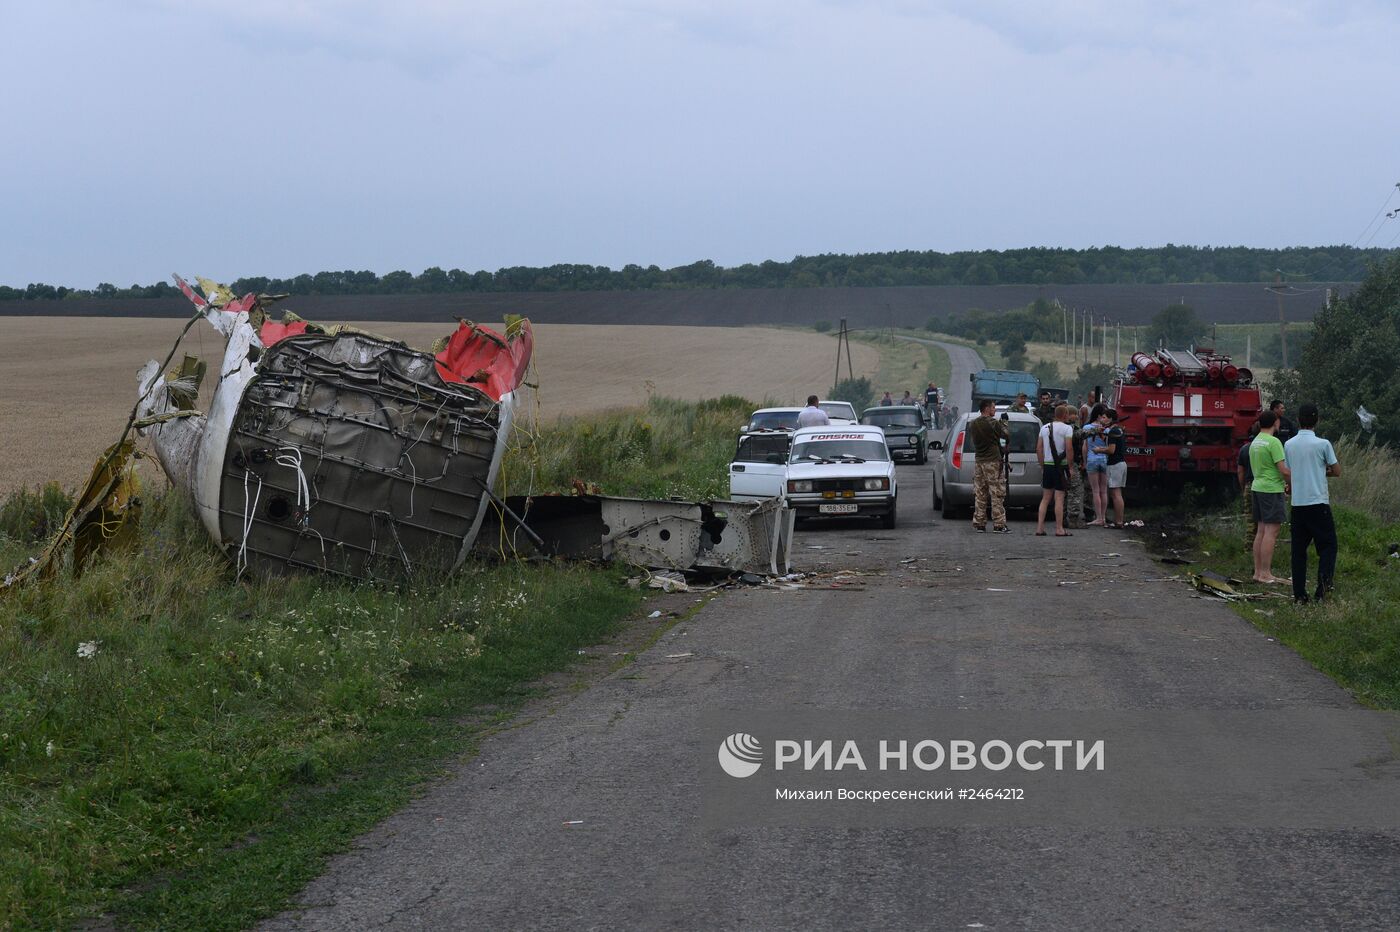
{"type": "Point", "coordinates": [988, 476]}
{"type": "Point", "coordinates": [1074, 498]}
{"type": "Point", "coordinates": [1020, 406]}
{"type": "Point", "coordinates": [1046, 409]}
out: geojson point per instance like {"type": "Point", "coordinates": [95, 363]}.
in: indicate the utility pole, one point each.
{"type": "Point", "coordinates": [1064, 323]}
{"type": "Point", "coordinates": [1117, 344]}
{"type": "Point", "coordinates": [1247, 349]}
{"type": "Point", "coordinates": [1282, 327]}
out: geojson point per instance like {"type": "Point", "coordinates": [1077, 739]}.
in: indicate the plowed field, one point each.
{"type": "Point", "coordinates": [67, 384]}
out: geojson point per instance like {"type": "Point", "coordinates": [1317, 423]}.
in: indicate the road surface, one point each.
{"type": "Point", "coordinates": [587, 814]}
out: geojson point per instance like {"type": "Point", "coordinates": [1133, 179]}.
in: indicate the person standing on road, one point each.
{"type": "Point", "coordinates": [1266, 461]}
{"type": "Point", "coordinates": [1245, 475]}
{"type": "Point", "coordinates": [931, 405]}
{"type": "Point", "coordinates": [886, 401]}
{"type": "Point", "coordinates": [1020, 407]}
{"type": "Point", "coordinates": [1045, 410]}
{"type": "Point", "coordinates": [908, 399]}
{"type": "Point", "coordinates": [1055, 450]}
{"type": "Point", "coordinates": [1311, 461]}
{"type": "Point", "coordinates": [1286, 427]}
{"type": "Point", "coordinates": [1114, 442]}
{"type": "Point", "coordinates": [812, 415]}
{"type": "Point", "coordinates": [1096, 465]}
{"type": "Point", "coordinates": [989, 438]}
{"type": "Point", "coordinates": [1074, 498]}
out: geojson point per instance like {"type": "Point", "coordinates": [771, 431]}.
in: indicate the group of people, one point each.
{"type": "Point", "coordinates": [1076, 447]}
{"type": "Point", "coordinates": [939, 412]}
{"type": "Point", "coordinates": [1281, 462]}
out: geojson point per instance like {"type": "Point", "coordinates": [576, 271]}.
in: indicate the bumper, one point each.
{"type": "Point", "coordinates": [867, 505]}
{"type": "Point", "coordinates": [1019, 495]}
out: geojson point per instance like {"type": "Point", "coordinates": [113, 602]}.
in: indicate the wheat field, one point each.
{"type": "Point", "coordinates": [67, 384]}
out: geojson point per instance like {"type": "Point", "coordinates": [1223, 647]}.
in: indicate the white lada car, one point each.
{"type": "Point", "coordinates": [841, 471]}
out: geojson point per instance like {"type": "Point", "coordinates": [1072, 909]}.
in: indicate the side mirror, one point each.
{"type": "Point", "coordinates": [935, 444]}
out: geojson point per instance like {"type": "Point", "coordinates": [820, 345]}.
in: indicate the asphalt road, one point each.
{"type": "Point", "coordinates": [587, 813]}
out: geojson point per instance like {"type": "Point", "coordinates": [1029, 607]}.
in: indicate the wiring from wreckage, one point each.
{"type": "Point", "coordinates": [291, 457]}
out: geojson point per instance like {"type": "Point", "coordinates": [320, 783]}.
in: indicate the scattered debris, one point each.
{"type": "Point", "coordinates": [655, 614]}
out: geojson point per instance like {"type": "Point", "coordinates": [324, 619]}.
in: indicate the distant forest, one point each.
{"type": "Point", "coordinates": [1107, 265]}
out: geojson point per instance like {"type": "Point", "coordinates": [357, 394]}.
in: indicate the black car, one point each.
{"type": "Point", "coordinates": [905, 430]}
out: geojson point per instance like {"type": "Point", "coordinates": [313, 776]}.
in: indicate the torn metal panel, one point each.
{"type": "Point", "coordinates": [334, 449]}
{"type": "Point", "coordinates": [754, 537]}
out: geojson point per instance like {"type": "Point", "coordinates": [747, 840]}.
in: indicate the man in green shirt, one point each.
{"type": "Point", "coordinates": [988, 477]}
{"type": "Point", "coordinates": [1020, 405]}
{"type": "Point", "coordinates": [1270, 483]}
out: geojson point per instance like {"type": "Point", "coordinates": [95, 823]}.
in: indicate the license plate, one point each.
{"type": "Point", "coordinates": [838, 509]}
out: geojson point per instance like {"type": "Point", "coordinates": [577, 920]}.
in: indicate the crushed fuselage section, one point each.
{"type": "Point", "coordinates": [350, 454]}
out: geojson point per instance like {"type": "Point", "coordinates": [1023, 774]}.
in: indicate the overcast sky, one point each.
{"type": "Point", "coordinates": [239, 137]}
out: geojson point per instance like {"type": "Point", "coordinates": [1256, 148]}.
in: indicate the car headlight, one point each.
{"type": "Point", "coordinates": [913, 440]}
{"type": "Point", "coordinates": [876, 485]}
{"type": "Point", "coordinates": [800, 485]}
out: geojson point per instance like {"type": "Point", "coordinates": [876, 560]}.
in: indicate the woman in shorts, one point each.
{"type": "Point", "coordinates": [1096, 464]}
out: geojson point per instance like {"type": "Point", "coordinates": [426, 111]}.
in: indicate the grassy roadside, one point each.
{"type": "Point", "coordinates": [906, 365]}
{"type": "Point", "coordinates": [179, 750]}
{"type": "Point", "coordinates": [1355, 636]}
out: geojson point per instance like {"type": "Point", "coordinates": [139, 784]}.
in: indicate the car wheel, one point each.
{"type": "Point", "coordinates": [937, 499]}
{"type": "Point", "coordinates": [888, 520]}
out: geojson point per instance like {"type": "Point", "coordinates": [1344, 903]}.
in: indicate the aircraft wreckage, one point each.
{"type": "Point", "coordinates": [331, 449]}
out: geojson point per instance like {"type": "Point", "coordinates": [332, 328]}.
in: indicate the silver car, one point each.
{"type": "Point", "coordinates": [954, 460]}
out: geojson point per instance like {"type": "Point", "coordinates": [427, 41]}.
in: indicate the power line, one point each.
{"type": "Point", "coordinates": [1384, 204]}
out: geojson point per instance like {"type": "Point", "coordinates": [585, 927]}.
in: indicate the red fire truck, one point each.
{"type": "Point", "coordinates": [1184, 416]}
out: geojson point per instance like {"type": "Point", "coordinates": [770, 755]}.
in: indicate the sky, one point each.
{"type": "Point", "coordinates": [272, 137]}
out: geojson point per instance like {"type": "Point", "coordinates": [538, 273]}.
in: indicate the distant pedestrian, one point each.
{"type": "Point", "coordinates": [1020, 406]}
{"type": "Point", "coordinates": [931, 405]}
{"type": "Point", "coordinates": [908, 399]}
{"type": "Point", "coordinates": [1286, 427]}
{"type": "Point", "coordinates": [1115, 445]}
{"type": "Point", "coordinates": [887, 400]}
{"type": "Point", "coordinates": [812, 415]}
{"type": "Point", "coordinates": [954, 413]}
{"type": "Point", "coordinates": [1266, 461]}
{"type": "Point", "coordinates": [989, 439]}
{"type": "Point", "coordinates": [1311, 460]}
{"type": "Point", "coordinates": [1245, 476]}
{"type": "Point", "coordinates": [1054, 450]}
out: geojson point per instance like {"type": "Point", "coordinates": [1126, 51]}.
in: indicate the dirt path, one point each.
{"type": "Point", "coordinates": [67, 384]}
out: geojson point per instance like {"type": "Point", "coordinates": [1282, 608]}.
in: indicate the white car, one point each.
{"type": "Point", "coordinates": [759, 468]}
{"type": "Point", "coordinates": [772, 419]}
{"type": "Point", "coordinates": [841, 471]}
{"type": "Point", "coordinates": [840, 412]}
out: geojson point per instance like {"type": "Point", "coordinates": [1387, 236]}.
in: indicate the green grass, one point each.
{"type": "Point", "coordinates": [667, 449]}
{"type": "Point", "coordinates": [225, 738]}
{"type": "Point", "coordinates": [1355, 636]}
{"type": "Point", "coordinates": [906, 365]}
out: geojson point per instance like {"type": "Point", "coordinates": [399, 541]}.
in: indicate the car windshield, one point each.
{"type": "Point", "coordinates": [1023, 434]}
{"type": "Point", "coordinates": [903, 418]}
{"type": "Point", "coordinates": [854, 449]}
{"type": "Point", "coordinates": [773, 420]}
{"type": "Point", "coordinates": [841, 409]}
{"type": "Point", "coordinates": [763, 448]}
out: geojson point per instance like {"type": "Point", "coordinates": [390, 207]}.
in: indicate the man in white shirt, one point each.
{"type": "Point", "coordinates": [1055, 450]}
{"type": "Point", "coordinates": [812, 416]}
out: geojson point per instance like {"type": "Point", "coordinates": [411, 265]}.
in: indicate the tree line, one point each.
{"type": "Point", "coordinates": [1106, 265]}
